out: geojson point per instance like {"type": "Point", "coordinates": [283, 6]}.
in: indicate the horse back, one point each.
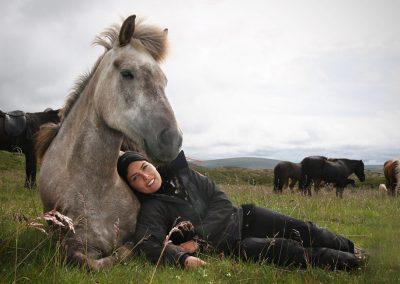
{"type": "Point", "coordinates": [390, 169]}
{"type": "Point", "coordinates": [14, 123]}
{"type": "Point", "coordinates": [312, 166]}
{"type": "Point", "coordinates": [335, 170]}
{"type": "Point", "coordinates": [289, 169]}
{"type": "Point", "coordinates": [36, 119]}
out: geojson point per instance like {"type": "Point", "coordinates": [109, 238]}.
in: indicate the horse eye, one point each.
{"type": "Point", "coordinates": [126, 74]}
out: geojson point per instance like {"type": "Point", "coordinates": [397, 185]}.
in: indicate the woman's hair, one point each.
{"type": "Point", "coordinates": [125, 160]}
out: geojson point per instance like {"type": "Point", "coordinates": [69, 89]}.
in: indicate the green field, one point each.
{"type": "Point", "coordinates": [365, 215]}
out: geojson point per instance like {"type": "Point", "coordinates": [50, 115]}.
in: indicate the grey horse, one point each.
{"type": "Point", "coordinates": [122, 96]}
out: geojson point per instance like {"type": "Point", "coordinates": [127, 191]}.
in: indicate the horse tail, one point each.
{"type": "Point", "coordinates": [396, 170]}
{"type": "Point", "coordinates": [276, 178]}
{"type": "Point", "coordinates": [276, 182]}
{"type": "Point", "coordinates": [44, 137]}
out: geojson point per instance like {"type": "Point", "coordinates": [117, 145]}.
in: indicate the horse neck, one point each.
{"type": "Point", "coordinates": [91, 147]}
{"type": "Point", "coordinates": [36, 119]}
{"type": "Point", "coordinates": [351, 165]}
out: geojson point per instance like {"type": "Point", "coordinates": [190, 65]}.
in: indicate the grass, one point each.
{"type": "Point", "coordinates": [365, 215]}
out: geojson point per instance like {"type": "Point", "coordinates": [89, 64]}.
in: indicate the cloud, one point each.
{"type": "Point", "coordinates": [275, 79]}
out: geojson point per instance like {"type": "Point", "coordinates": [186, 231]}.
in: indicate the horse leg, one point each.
{"type": "Point", "coordinates": [308, 186]}
{"type": "Point", "coordinates": [30, 169]}
{"type": "Point", "coordinates": [276, 183]}
{"type": "Point", "coordinates": [390, 190]}
{"type": "Point", "coordinates": [90, 258]}
{"type": "Point", "coordinates": [339, 191]}
{"type": "Point", "coordinates": [393, 190]}
{"type": "Point", "coordinates": [292, 184]}
{"type": "Point", "coordinates": [33, 171]}
{"type": "Point", "coordinates": [282, 184]}
{"type": "Point", "coordinates": [286, 183]}
{"type": "Point", "coordinates": [317, 185]}
{"type": "Point", "coordinates": [27, 170]}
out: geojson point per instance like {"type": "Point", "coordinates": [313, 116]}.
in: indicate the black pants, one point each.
{"type": "Point", "coordinates": [282, 240]}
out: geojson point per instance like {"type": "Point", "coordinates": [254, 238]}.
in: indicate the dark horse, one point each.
{"type": "Point", "coordinates": [311, 172]}
{"type": "Point", "coordinates": [335, 171]}
{"type": "Point", "coordinates": [391, 170]}
{"type": "Point", "coordinates": [284, 171]}
{"type": "Point", "coordinates": [16, 135]}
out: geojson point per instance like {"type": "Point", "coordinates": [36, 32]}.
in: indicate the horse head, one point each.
{"type": "Point", "coordinates": [359, 170]}
{"type": "Point", "coordinates": [129, 95]}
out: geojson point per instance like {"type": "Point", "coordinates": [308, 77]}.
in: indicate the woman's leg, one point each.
{"type": "Point", "coordinates": [263, 223]}
{"type": "Point", "coordinates": [289, 253]}
{"type": "Point", "coordinates": [279, 251]}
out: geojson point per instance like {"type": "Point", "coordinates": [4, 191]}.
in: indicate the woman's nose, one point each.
{"type": "Point", "coordinates": [144, 175]}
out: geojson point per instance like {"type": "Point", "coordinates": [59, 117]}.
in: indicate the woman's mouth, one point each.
{"type": "Point", "coordinates": [150, 182]}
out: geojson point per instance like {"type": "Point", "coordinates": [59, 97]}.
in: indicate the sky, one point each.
{"type": "Point", "coordinates": [274, 79]}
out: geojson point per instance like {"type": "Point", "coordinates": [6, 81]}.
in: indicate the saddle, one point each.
{"type": "Point", "coordinates": [14, 122]}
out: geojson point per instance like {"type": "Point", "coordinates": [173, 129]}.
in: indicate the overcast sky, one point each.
{"type": "Point", "coordinates": [276, 79]}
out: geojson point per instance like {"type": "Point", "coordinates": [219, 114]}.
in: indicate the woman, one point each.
{"type": "Point", "coordinates": [176, 196]}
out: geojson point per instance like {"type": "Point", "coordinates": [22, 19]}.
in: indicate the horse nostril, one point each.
{"type": "Point", "coordinates": [170, 136]}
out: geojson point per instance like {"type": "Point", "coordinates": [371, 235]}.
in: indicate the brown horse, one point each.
{"type": "Point", "coordinates": [391, 170]}
{"type": "Point", "coordinates": [284, 171]}
{"type": "Point", "coordinates": [123, 96]}
{"type": "Point", "coordinates": [17, 130]}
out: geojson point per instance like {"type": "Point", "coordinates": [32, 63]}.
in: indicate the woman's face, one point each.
{"type": "Point", "coordinates": [144, 177]}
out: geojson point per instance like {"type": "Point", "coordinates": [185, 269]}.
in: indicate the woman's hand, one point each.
{"type": "Point", "coordinates": [193, 262]}
{"type": "Point", "coordinates": [189, 246]}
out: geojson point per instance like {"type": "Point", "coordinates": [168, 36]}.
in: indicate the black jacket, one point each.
{"type": "Point", "coordinates": [194, 198]}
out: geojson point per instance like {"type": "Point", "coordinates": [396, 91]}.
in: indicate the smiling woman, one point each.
{"type": "Point", "coordinates": [135, 169]}
{"type": "Point", "coordinates": [181, 207]}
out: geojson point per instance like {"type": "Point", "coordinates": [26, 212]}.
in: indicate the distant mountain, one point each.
{"type": "Point", "coordinates": [242, 162]}
{"type": "Point", "coordinates": [378, 168]}
{"type": "Point", "coordinates": [252, 163]}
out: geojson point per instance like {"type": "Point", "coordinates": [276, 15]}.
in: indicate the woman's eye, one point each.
{"type": "Point", "coordinates": [126, 74]}
{"type": "Point", "coordinates": [134, 178]}
{"type": "Point", "coordinates": [144, 167]}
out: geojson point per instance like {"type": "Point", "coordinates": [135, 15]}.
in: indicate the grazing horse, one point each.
{"type": "Point", "coordinates": [122, 97]}
{"type": "Point", "coordinates": [17, 129]}
{"type": "Point", "coordinates": [337, 171]}
{"type": "Point", "coordinates": [284, 171]}
{"type": "Point", "coordinates": [311, 172]}
{"type": "Point", "coordinates": [391, 170]}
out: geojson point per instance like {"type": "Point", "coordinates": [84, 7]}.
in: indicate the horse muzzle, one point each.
{"type": "Point", "coordinates": [166, 146]}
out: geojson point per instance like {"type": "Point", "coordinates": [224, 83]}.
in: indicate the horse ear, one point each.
{"type": "Point", "coordinates": [127, 30]}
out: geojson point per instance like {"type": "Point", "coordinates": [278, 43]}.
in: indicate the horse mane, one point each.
{"type": "Point", "coordinates": [44, 137]}
{"type": "Point", "coordinates": [79, 85]}
{"type": "Point", "coordinates": [397, 174]}
{"type": "Point", "coordinates": [151, 38]}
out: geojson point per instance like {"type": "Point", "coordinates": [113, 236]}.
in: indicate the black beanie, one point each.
{"type": "Point", "coordinates": [125, 160]}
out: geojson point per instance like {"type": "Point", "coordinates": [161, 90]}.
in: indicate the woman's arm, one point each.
{"type": "Point", "coordinates": [152, 227]}
{"type": "Point", "coordinates": [219, 208]}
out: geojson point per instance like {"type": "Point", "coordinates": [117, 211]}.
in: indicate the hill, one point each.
{"type": "Point", "coordinates": [241, 162]}
{"type": "Point", "coordinates": [252, 163]}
